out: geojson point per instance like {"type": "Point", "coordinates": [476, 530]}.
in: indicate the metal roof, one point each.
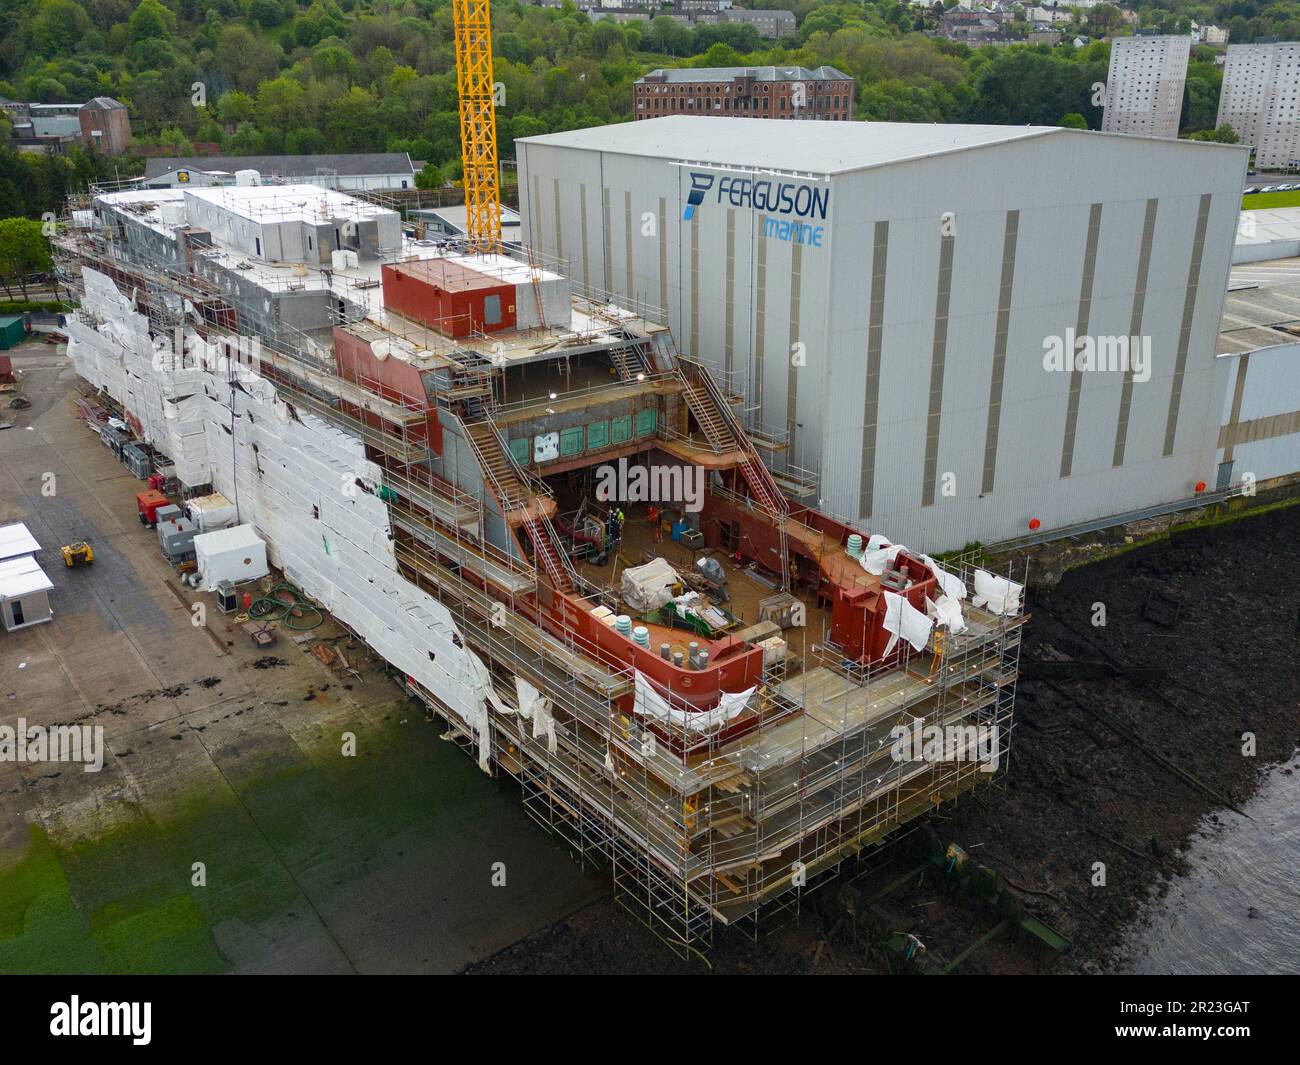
{"type": "Point", "coordinates": [16, 539]}
{"type": "Point", "coordinates": [22, 576]}
{"type": "Point", "coordinates": [811, 147]}
{"type": "Point", "coordinates": [1259, 315]}
{"type": "Point", "coordinates": [815, 147]}
{"type": "Point", "coordinates": [288, 165]}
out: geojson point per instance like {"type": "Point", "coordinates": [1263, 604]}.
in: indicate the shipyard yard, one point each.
{"type": "Point", "coordinates": [380, 597]}
{"type": "Point", "coordinates": [230, 755]}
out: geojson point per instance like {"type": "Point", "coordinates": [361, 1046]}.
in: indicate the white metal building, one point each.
{"type": "Point", "coordinates": [24, 587]}
{"type": "Point", "coordinates": [1260, 99]}
{"type": "Point", "coordinates": [358, 171]}
{"type": "Point", "coordinates": [1144, 86]}
{"type": "Point", "coordinates": [888, 300]}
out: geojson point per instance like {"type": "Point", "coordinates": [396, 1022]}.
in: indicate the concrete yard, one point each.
{"type": "Point", "coordinates": [223, 754]}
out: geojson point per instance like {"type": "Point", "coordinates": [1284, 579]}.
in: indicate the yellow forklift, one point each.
{"type": "Point", "coordinates": [78, 553]}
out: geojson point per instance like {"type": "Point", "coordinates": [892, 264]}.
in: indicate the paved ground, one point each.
{"type": "Point", "coordinates": [314, 861]}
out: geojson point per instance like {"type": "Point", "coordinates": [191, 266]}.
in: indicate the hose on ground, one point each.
{"type": "Point", "coordinates": [291, 613]}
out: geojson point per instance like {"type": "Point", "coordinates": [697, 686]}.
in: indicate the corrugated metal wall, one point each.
{"type": "Point", "coordinates": [1261, 414]}
{"type": "Point", "coordinates": [922, 399]}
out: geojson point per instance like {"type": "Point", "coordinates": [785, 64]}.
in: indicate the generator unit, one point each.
{"type": "Point", "coordinates": [227, 597]}
{"type": "Point", "coordinates": [175, 534]}
{"type": "Point", "coordinates": [136, 459]}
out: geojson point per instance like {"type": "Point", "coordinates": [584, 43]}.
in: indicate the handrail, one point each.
{"type": "Point", "coordinates": [587, 390]}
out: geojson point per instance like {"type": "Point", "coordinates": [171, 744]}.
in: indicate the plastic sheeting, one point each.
{"type": "Point", "coordinates": [878, 554]}
{"type": "Point", "coordinates": [298, 480]}
{"type": "Point", "coordinates": [949, 583]}
{"type": "Point", "coordinates": [649, 703]}
{"type": "Point", "coordinates": [946, 611]}
{"type": "Point", "coordinates": [650, 586]}
{"type": "Point", "coordinates": [998, 594]}
{"type": "Point", "coordinates": [536, 707]}
{"type": "Point", "coordinates": [903, 619]}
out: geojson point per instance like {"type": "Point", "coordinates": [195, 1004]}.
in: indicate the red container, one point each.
{"type": "Point", "coordinates": [449, 297]}
{"type": "Point", "coordinates": [147, 503]}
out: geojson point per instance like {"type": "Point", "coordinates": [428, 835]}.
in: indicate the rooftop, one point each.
{"type": "Point", "coordinates": [445, 274]}
{"type": "Point", "coordinates": [806, 147]}
{"type": "Point", "coordinates": [22, 576]}
{"type": "Point", "coordinates": [802, 146]}
{"type": "Point", "coordinates": [287, 165]}
{"type": "Point", "coordinates": [694, 74]}
{"type": "Point", "coordinates": [16, 539]}
{"type": "Point", "coordinates": [278, 203]}
{"type": "Point", "coordinates": [1262, 309]}
{"type": "Point", "coordinates": [456, 214]}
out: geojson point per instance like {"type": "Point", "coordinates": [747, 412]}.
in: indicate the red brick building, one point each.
{"type": "Point", "coordinates": [747, 92]}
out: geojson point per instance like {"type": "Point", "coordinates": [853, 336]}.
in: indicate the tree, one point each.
{"type": "Point", "coordinates": [150, 19]}
{"type": "Point", "coordinates": [173, 139]}
{"type": "Point", "coordinates": [57, 27]}
{"type": "Point", "coordinates": [428, 178]}
{"type": "Point", "coordinates": [1073, 120]}
{"type": "Point", "coordinates": [351, 121]}
{"type": "Point", "coordinates": [1224, 134]}
{"type": "Point", "coordinates": [234, 108]}
{"type": "Point", "coordinates": [23, 251]}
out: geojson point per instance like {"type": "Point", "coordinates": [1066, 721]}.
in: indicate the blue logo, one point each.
{"type": "Point", "coordinates": [800, 207]}
{"type": "Point", "coordinates": [700, 184]}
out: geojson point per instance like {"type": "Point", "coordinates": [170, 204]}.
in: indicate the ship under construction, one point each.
{"type": "Point", "coordinates": [708, 690]}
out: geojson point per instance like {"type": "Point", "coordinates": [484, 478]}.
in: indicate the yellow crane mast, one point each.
{"type": "Point", "coordinates": [478, 124]}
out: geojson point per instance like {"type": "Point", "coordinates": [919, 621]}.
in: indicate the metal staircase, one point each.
{"type": "Point", "coordinates": [630, 362]}
{"type": "Point", "coordinates": [510, 491]}
{"type": "Point", "coordinates": [556, 564]}
{"type": "Point", "coordinates": [725, 433]}
{"type": "Point", "coordinates": [525, 496]}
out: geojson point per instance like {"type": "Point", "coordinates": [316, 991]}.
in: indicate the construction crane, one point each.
{"type": "Point", "coordinates": [478, 124]}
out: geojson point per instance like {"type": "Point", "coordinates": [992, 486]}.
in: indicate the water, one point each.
{"type": "Point", "coordinates": [1204, 923]}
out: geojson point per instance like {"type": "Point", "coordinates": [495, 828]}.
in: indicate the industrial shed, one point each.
{"type": "Point", "coordinates": [24, 586]}
{"type": "Point", "coordinates": [885, 300]}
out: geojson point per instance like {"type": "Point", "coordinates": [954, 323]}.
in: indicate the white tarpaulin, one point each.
{"type": "Point", "coordinates": [1000, 595]}
{"type": "Point", "coordinates": [878, 554]}
{"type": "Point", "coordinates": [946, 611]}
{"type": "Point", "coordinates": [535, 707]}
{"type": "Point", "coordinates": [236, 554]}
{"type": "Point", "coordinates": [649, 703]}
{"type": "Point", "coordinates": [903, 619]}
{"type": "Point", "coordinates": [650, 586]}
{"type": "Point", "coordinates": [951, 585]}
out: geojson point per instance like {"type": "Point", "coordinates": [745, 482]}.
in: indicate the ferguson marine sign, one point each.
{"type": "Point", "coordinates": [802, 205]}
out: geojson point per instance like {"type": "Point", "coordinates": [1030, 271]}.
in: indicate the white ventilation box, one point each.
{"type": "Point", "coordinates": [236, 554]}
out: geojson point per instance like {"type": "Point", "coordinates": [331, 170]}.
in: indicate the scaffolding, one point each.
{"type": "Point", "coordinates": [699, 827]}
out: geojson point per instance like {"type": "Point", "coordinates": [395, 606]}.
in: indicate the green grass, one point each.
{"type": "Point", "coordinates": [1262, 201]}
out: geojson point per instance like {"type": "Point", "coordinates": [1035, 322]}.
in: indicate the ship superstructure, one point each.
{"type": "Point", "coordinates": [557, 531]}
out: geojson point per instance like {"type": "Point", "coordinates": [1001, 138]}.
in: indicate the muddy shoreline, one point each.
{"type": "Point", "coordinates": [1128, 734]}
